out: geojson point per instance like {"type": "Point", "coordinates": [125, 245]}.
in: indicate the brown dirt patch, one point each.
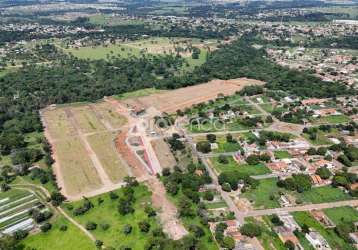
{"type": "Point", "coordinates": [163, 153]}
{"type": "Point", "coordinates": [186, 97]}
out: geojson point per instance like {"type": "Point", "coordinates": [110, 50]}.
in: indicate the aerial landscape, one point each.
{"type": "Point", "coordinates": [178, 124]}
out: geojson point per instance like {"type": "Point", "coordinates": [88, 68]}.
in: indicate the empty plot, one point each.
{"type": "Point", "coordinates": [171, 101]}
{"type": "Point", "coordinates": [57, 124]}
{"type": "Point", "coordinates": [106, 112]}
{"type": "Point", "coordinates": [104, 147]}
{"type": "Point", "coordinates": [86, 119]}
{"type": "Point", "coordinates": [79, 174]}
{"type": "Point", "coordinates": [163, 153]}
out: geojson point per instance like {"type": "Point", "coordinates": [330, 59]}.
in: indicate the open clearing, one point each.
{"type": "Point", "coordinates": [164, 155]}
{"type": "Point", "coordinates": [186, 97]}
{"type": "Point", "coordinates": [84, 149]}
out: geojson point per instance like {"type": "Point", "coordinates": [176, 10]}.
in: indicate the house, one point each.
{"type": "Point", "coordinates": [316, 180]}
{"type": "Point", "coordinates": [289, 222]}
{"type": "Point", "coordinates": [317, 241]}
{"type": "Point", "coordinates": [312, 101]}
{"type": "Point", "coordinates": [286, 234]}
{"type": "Point", "coordinates": [323, 163]}
{"type": "Point", "coordinates": [326, 112]}
{"type": "Point", "coordinates": [279, 166]}
{"type": "Point", "coordinates": [322, 218]}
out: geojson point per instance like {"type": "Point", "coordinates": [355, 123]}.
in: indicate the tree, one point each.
{"type": "Point", "coordinates": [144, 226]}
{"type": "Point", "coordinates": [127, 229]}
{"type": "Point", "coordinates": [324, 173]}
{"type": "Point", "coordinates": [251, 230]}
{"type": "Point", "coordinates": [229, 138]}
{"type": "Point", "coordinates": [203, 147]}
{"type": "Point", "coordinates": [99, 244]}
{"type": "Point", "coordinates": [289, 245]}
{"type": "Point", "coordinates": [253, 159]}
{"type": "Point", "coordinates": [208, 195]}
{"type": "Point", "coordinates": [57, 198]}
{"type": "Point", "coordinates": [211, 138]}
{"type": "Point", "coordinates": [228, 243]}
{"type": "Point", "coordinates": [223, 159]}
{"type": "Point", "coordinates": [45, 227]}
{"type": "Point", "coordinates": [91, 226]}
{"type": "Point", "coordinates": [276, 220]}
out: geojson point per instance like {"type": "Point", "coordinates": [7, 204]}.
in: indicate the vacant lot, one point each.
{"type": "Point", "coordinates": [83, 142]}
{"type": "Point", "coordinates": [335, 242]}
{"type": "Point", "coordinates": [76, 166]}
{"type": "Point", "coordinates": [261, 196]}
{"type": "Point", "coordinates": [108, 115]}
{"type": "Point", "coordinates": [323, 194]}
{"type": "Point", "coordinates": [58, 124]}
{"type": "Point", "coordinates": [182, 98]}
{"type": "Point", "coordinates": [342, 214]}
{"type": "Point", "coordinates": [163, 153]}
{"type": "Point", "coordinates": [258, 169]}
{"type": "Point", "coordinates": [86, 119]}
{"type": "Point", "coordinates": [104, 147]}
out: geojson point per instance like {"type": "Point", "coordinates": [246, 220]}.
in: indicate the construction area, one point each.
{"type": "Point", "coordinates": [83, 140]}
{"type": "Point", "coordinates": [171, 101]}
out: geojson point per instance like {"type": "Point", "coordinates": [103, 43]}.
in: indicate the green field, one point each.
{"type": "Point", "coordinates": [332, 119]}
{"type": "Point", "coordinates": [138, 93]}
{"type": "Point", "coordinates": [107, 213]}
{"type": "Point", "coordinates": [111, 21]}
{"type": "Point", "coordinates": [342, 214]}
{"type": "Point", "coordinates": [321, 139]}
{"type": "Point", "coordinates": [333, 239]}
{"type": "Point", "coordinates": [323, 194]}
{"type": "Point", "coordinates": [262, 194]}
{"type": "Point", "coordinates": [259, 169]}
{"type": "Point", "coordinates": [282, 155]}
{"type": "Point", "coordinates": [55, 239]}
{"type": "Point", "coordinates": [101, 52]}
{"type": "Point", "coordinates": [224, 146]}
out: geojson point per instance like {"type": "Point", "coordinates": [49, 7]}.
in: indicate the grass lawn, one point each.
{"type": "Point", "coordinates": [101, 52]}
{"type": "Point", "coordinates": [342, 214]}
{"type": "Point", "coordinates": [138, 93]}
{"type": "Point", "coordinates": [323, 194]}
{"type": "Point", "coordinates": [332, 119]}
{"type": "Point", "coordinates": [320, 140]}
{"type": "Point", "coordinates": [224, 146]}
{"type": "Point", "coordinates": [269, 238]}
{"type": "Point", "coordinates": [55, 239]}
{"type": "Point", "coordinates": [282, 155]}
{"type": "Point", "coordinates": [333, 239]}
{"type": "Point", "coordinates": [215, 205]}
{"type": "Point", "coordinates": [261, 195]}
{"type": "Point", "coordinates": [258, 169]}
{"type": "Point", "coordinates": [268, 107]}
{"type": "Point", "coordinates": [107, 213]}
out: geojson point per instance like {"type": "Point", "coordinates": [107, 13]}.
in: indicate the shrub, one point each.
{"type": "Point", "coordinates": [91, 226]}
{"type": "Point", "coordinates": [45, 227]}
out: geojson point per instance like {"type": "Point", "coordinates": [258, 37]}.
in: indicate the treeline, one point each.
{"type": "Point", "coordinates": [344, 42]}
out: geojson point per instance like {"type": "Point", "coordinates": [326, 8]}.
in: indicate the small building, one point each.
{"type": "Point", "coordinates": [317, 241]}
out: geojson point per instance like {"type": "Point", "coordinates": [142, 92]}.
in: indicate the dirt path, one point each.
{"type": "Point", "coordinates": [31, 187]}
{"type": "Point", "coordinates": [168, 213]}
{"type": "Point", "coordinates": [309, 207]}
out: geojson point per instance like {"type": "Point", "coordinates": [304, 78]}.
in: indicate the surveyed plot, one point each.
{"type": "Point", "coordinates": [84, 150]}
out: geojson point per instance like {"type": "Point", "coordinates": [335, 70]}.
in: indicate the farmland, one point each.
{"type": "Point", "coordinates": [83, 139]}
{"type": "Point", "coordinates": [14, 210]}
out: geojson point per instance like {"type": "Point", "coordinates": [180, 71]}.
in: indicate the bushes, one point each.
{"type": "Point", "coordinates": [45, 227]}
{"type": "Point", "coordinates": [203, 147]}
{"type": "Point", "coordinates": [91, 226]}
{"type": "Point", "coordinates": [298, 182]}
{"type": "Point", "coordinates": [251, 230]}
